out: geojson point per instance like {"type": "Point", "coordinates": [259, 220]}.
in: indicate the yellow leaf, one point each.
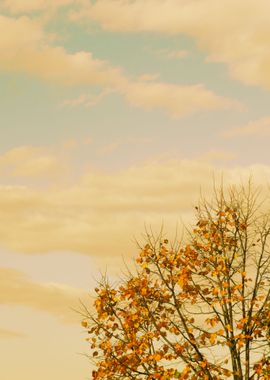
{"type": "Point", "coordinates": [244, 320]}
{"type": "Point", "coordinates": [157, 357]}
{"type": "Point", "coordinates": [220, 332]}
{"type": "Point", "coordinates": [144, 291]}
{"type": "Point", "coordinates": [84, 323]}
{"type": "Point", "coordinates": [203, 364]}
{"type": "Point", "coordinates": [213, 338]}
{"type": "Point", "coordinates": [240, 343]}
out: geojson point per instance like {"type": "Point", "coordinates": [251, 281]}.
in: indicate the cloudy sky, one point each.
{"type": "Point", "coordinates": [115, 115]}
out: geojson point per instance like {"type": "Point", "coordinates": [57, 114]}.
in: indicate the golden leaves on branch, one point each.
{"type": "Point", "coordinates": [185, 303]}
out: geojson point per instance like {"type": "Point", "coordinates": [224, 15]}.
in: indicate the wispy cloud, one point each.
{"type": "Point", "coordinates": [171, 54]}
{"type": "Point", "coordinates": [99, 213]}
{"type": "Point", "coordinates": [115, 145]}
{"type": "Point", "coordinates": [25, 47]}
{"type": "Point", "coordinates": [29, 6]}
{"type": "Point", "coordinates": [257, 128]}
{"type": "Point", "coordinates": [233, 32]}
{"type": "Point", "coordinates": [10, 334]}
{"type": "Point", "coordinates": [176, 100]}
{"type": "Point", "coordinates": [148, 77]}
{"type": "Point", "coordinates": [216, 155]}
{"type": "Point", "coordinates": [87, 100]}
{"type": "Point", "coordinates": [57, 299]}
{"type": "Point", "coordinates": [32, 162]}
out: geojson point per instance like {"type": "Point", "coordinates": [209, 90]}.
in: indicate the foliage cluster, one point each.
{"type": "Point", "coordinates": [193, 310]}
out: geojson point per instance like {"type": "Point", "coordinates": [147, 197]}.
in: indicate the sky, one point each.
{"type": "Point", "coordinates": [115, 116]}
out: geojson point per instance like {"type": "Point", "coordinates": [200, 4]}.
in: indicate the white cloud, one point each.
{"type": "Point", "coordinates": [8, 334]}
{"type": "Point", "coordinates": [176, 100]}
{"type": "Point", "coordinates": [217, 155]}
{"type": "Point", "coordinates": [28, 6]}
{"type": "Point", "coordinates": [24, 47]}
{"type": "Point", "coordinates": [229, 31]}
{"type": "Point", "coordinates": [115, 145]}
{"type": "Point", "coordinates": [172, 54]}
{"type": "Point", "coordinates": [257, 128]}
{"type": "Point", "coordinates": [31, 162]}
{"type": "Point", "coordinates": [87, 100]}
{"type": "Point", "coordinates": [148, 77]}
{"type": "Point", "coordinates": [101, 213]}
{"type": "Point", "coordinates": [57, 299]}
{"type": "Point", "coordinates": [176, 54]}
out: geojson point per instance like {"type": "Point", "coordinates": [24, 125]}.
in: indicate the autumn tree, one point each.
{"type": "Point", "coordinates": [193, 310]}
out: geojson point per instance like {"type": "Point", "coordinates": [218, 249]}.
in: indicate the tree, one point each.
{"type": "Point", "coordinates": [193, 310]}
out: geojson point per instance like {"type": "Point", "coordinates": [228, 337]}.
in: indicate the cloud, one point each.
{"type": "Point", "coordinates": [87, 100]}
{"type": "Point", "coordinates": [233, 32]}
{"type": "Point", "coordinates": [217, 155]}
{"type": "Point", "coordinates": [176, 100]}
{"type": "Point", "coordinates": [172, 54]}
{"type": "Point", "coordinates": [176, 54]}
{"type": "Point", "coordinates": [100, 214]}
{"type": "Point", "coordinates": [8, 334]}
{"type": "Point", "coordinates": [257, 128]}
{"type": "Point", "coordinates": [115, 145]}
{"type": "Point", "coordinates": [25, 47]}
{"type": "Point", "coordinates": [57, 299]}
{"type": "Point", "coordinates": [31, 162]}
{"type": "Point", "coordinates": [148, 77]}
{"type": "Point", "coordinates": [29, 6]}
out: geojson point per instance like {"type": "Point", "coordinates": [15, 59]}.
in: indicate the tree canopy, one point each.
{"type": "Point", "coordinates": [197, 309]}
